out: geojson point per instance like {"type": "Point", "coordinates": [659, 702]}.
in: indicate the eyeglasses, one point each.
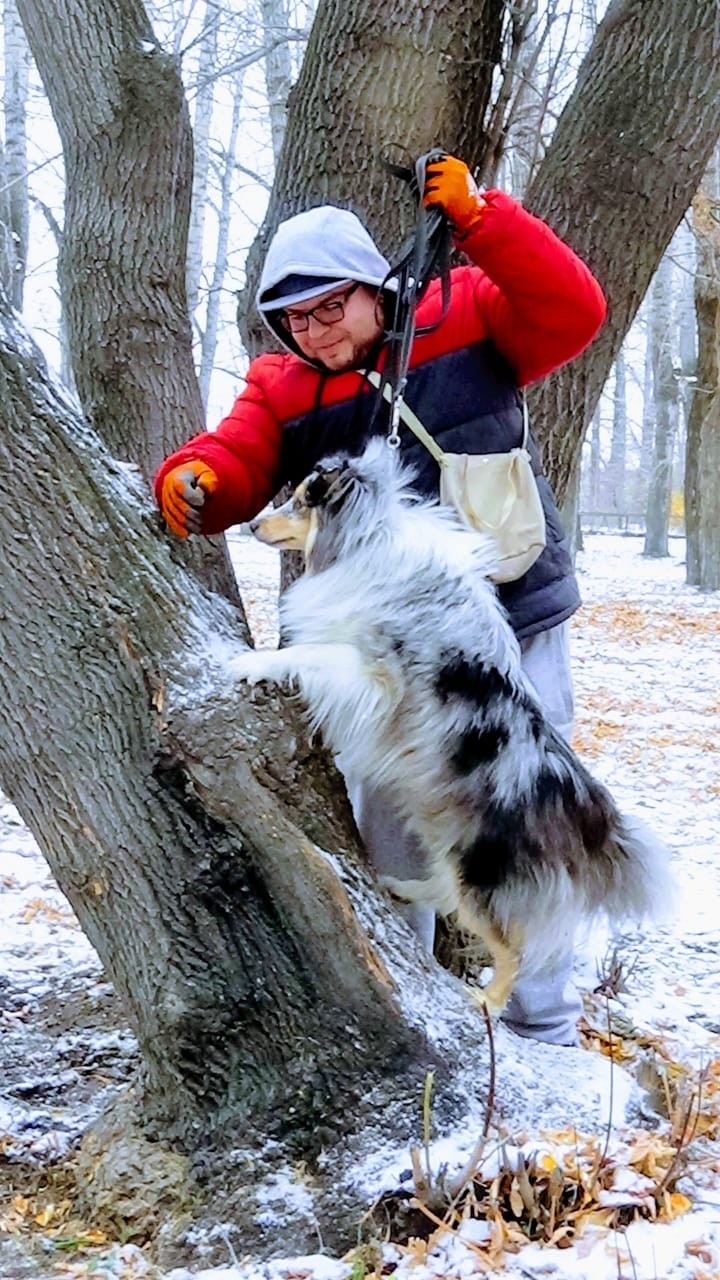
{"type": "Point", "coordinates": [326, 313]}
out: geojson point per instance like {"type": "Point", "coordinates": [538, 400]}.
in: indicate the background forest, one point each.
{"type": "Point", "coordinates": [205, 845]}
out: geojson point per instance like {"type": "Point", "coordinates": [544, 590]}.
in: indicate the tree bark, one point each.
{"type": "Point", "coordinates": [702, 467]}
{"type": "Point", "coordinates": [116, 96]}
{"type": "Point", "coordinates": [626, 159]}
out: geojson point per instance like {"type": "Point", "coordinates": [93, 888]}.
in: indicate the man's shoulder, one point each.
{"type": "Point", "coordinates": [276, 366]}
{"type": "Point", "coordinates": [287, 384]}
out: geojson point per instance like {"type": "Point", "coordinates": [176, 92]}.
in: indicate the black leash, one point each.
{"type": "Point", "coordinates": [426, 254]}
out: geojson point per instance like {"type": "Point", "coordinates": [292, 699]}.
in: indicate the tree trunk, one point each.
{"type": "Point", "coordinates": [187, 823]}
{"type": "Point", "coordinates": [626, 158]}
{"type": "Point", "coordinates": [285, 1014]}
{"type": "Point", "coordinates": [378, 82]}
{"type": "Point", "coordinates": [119, 106]}
{"type": "Point", "coordinates": [702, 468]}
{"type": "Point", "coordinates": [665, 396]}
{"type": "Point", "coordinates": [116, 96]}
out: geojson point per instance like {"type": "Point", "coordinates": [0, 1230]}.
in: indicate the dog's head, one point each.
{"type": "Point", "coordinates": [341, 503]}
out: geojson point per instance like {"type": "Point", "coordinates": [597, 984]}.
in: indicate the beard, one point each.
{"type": "Point", "coordinates": [349, 354]}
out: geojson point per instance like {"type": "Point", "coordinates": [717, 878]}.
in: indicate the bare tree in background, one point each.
{"type": "Point", "coordinates": [648, 418]}
{"type": "Point", "coordinates": [202, 119]}
{"type": "Point", "coordinates": [15, 160]}
{"type": "Point", "coordinates": [618, 439]}
{"type": "Point", "coordinates": [278, 68]}
{"type": "Point", "coordinates": [662, 341]}
{"type": "Point", "coordinates": [702, 487]}
{"type": "Point", "coordinates": [208, 345]}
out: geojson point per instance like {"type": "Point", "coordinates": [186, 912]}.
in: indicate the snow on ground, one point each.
{"type": "Point", "coordinates": [647, 672]}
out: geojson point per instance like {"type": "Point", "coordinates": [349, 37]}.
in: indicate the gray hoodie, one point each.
{"type": "Point", "coordinates": [327, 244]}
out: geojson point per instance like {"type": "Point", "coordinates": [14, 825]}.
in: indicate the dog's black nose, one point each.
{"type": "Point", "coordinates": [254, 524]}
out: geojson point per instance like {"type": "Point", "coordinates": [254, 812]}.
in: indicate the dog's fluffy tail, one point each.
{"type": "Point", "coordinates": [644, 885]}
{"type": "Point", "coordinates": [626, 881]}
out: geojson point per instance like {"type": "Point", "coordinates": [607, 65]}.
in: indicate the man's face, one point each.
{"type": "Point", "coordinates": [338, 341]}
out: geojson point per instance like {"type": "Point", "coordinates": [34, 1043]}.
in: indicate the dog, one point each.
{"type": "Point", "coordinates": [411, 670]}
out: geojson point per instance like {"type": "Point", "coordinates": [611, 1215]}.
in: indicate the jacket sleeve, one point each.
{"type": "Point", "coordinates": [244, 453]}
{"type": "Point", "coordinates": [540, 302]}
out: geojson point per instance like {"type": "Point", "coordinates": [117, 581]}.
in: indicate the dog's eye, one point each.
{"type": "Point", "coordinates": [316, 491]}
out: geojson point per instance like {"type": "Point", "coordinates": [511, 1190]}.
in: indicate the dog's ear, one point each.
{"type": "Point", "coordinates": [317, 487]}
{"type": "Point", "coordinates": [328, 487]}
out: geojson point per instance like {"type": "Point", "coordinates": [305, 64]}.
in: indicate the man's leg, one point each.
{"type": "Point", "coordinates": [546, 1006]}
{"type": "Point", "coordinates": [391, 850]}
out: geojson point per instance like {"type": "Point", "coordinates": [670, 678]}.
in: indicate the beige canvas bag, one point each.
{"type": "Point", "coordinates": [493, 492]}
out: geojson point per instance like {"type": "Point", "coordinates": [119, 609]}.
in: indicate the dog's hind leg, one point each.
{"type": "Point", "coordinates": [438, 890]}
{"type": "Point", "coordinates": [506, 953]}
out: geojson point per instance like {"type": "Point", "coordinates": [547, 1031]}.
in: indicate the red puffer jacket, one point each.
{"type": "Point", "coordinates": [528, 297]}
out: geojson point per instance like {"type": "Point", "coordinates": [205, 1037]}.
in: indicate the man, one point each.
{"type": "Point", "coordinates": [525, 306]}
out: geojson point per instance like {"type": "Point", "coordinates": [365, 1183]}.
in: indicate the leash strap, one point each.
{"type": "Point", "coordinates": [427, 252]}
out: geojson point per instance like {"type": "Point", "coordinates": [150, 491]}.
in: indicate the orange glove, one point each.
{"type": "Point", "coordinates": [184, 491]}
{"type": "Point", "coordinates": [450, 185]}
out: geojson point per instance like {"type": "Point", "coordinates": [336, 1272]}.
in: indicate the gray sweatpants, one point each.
{"type": "Point", "coordinates": [545, 1006]}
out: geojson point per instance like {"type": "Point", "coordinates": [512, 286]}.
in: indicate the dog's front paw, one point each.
{"type": "Point", "coordinates": [248, 667]}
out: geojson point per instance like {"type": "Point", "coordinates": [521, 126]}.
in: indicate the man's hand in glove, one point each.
{"type": "Point", "coordinates": [185, 490]}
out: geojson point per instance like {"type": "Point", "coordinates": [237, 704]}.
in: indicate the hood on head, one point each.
{"type": "Point", "coordinates": [311, 253]}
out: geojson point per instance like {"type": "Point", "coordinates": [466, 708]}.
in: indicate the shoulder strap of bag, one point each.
{"type": "Point", "coordinates": [412, 421]}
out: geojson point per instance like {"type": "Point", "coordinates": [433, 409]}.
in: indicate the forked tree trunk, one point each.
{"type": "Point", "coordinates": [176, 814]}
{"type": "Point", "coordinates": [186, 824]}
